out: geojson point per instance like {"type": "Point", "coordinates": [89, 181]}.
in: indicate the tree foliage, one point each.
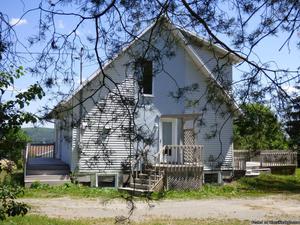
{"type": "Point", "coordinates": [257, 128]}
{"type": "Point", "coordinates": [12, 143]}
{"type": "Point", "coordinates": [292, 122]}
{"type": "Point", "coordinates": [8, 204]}
{"type": "Point", "coordinates": [12, 113]}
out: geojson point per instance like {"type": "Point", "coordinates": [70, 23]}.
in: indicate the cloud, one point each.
{"type": "Point", "coordinates": [60, 24]}
{"type": "Point", "coordinates": [17, 22]}
{"type": "Point", "coordinates": [290, 89]}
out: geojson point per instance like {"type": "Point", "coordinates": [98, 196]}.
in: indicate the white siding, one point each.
{"type": "Point", "coordinates": [102, 110]}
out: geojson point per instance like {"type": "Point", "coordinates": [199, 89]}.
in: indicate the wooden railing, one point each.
{"type": "Point", "coordinates": [240, 159]}
{"type": "Point", "coordinates": [278, 158]}
{"type": "Point", "coordinates": [25, 158]}
{"type": "Point", "coordinates": [41, 150]}
{"type": "Point", "coordinates": [267, 158]}
{"type": "Point", "coordinates": [181, 154]}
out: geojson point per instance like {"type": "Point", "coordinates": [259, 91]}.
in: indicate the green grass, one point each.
{"type": "Point", "coordinates": [71, 190]}
{"type": "Point", "coordinates": [43, 220]}
{"type": "Point", "coordinates": [245, 187]}
{"type": "Point", "coordinates": [264, 184]}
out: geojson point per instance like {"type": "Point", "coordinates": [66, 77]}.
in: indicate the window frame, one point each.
{"type": "Point", "coordinates": [115, 175]}
{"type": "Point", "coordinates": [140, 67]}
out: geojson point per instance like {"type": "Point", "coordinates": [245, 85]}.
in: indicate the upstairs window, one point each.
{"type": "Point", "coordinates": [146, 79]}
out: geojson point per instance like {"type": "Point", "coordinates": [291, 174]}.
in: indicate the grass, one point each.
{"type": "Point", "coordinates": [71, 190]}
{"type": "Point", "coordinates": [43, 220]}
{"type": "Point", "coordinates": [264, 184]}
{"type": "Point", "coordinates": [245, 187]}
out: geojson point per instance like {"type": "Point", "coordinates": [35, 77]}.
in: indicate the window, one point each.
{"type": "Point", "coordinates": [146, 76]}
{"type": "Point", "coordinates": [106, 180]}
{"type": "Point", "coordinates": [211, 178]}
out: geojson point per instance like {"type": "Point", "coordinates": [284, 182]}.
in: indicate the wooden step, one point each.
{"type": "Point", "coordinates": [135, 191]}
{"type": "Point", "coordinates": [140, 186]}
{"type": "Point", "coordinates": [144, 181]}
{"type": "Point", "coordinates": [47, 179]}
{"type": "Point", "coordinates": [47, 172]}
{"type": "Point", "coordinates": [143, 175]}
{"type": "Point", "coordinates": [48, 167]}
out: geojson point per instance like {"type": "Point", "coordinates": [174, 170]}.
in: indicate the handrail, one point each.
{"type": "Point", "coordinates": [180, 154]}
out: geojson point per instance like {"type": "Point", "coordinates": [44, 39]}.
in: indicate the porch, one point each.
{"type": "Point", "coordinates": [174, 167]}
{"type": "Point", "coordinates": [41, 165]}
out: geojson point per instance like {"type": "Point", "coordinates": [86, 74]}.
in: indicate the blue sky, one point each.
{"type": "Point", "coordinates": [267, 50]}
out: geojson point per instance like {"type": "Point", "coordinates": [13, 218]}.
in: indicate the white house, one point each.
{"type": "Point", "coordinates": [165, 97]}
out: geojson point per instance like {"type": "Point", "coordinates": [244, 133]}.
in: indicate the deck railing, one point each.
{"type": "Point", "coordinates": [278, 158]}
{"type": "Point", "coordinates": [267, 158]}
{"type": "Point", "coordinates": [41, 150]}
{"type": "Point", "coordinates": [181, 154]}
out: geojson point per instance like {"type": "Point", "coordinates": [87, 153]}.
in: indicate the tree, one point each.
{"type": "Point", "coordinates": [12, 114]}
{"type": "Point", "coordinates": [257, 128]}
{"type": "Point", "coordinates": [12, 144]}
{"type": "Point", "coordinates": [292, 122]}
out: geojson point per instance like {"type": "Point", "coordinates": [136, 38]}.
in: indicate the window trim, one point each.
{"type": "Point", "coordinates": [116, 175]}
{"type": "Point", "coordinates": [152, 80]}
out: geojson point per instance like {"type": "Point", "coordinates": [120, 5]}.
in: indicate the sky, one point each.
{"type": "Point", "coordinates": [267, 50]}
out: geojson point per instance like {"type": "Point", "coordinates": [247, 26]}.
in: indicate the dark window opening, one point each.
{"type": "Point", "coordinates": [146, 76]}
{"type": "Point", "coordinates": [211, 178]}
{"type": "Point", "coordinates": [106, 181]}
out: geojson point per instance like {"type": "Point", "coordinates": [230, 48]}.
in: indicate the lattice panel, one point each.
{"type": "Point", "coordinates": [188, 137]}
{"type": "Point", "coordinates": [184, 183]}
{"type": "Point", "coordinates": [190, 154]}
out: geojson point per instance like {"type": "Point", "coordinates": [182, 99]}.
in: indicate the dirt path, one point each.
{"type": "Point", "coordinates": [273, 207]}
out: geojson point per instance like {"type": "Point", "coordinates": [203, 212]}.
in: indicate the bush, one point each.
{"type": "Point", "coordinates": [38, 185]}
{"type": "Point", "coordinates": [7, 165]}
{"type": "Point", "coordinates": [8, 205]}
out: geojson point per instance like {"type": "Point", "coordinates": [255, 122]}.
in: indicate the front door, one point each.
{"type": "Point", "coordinates": [168, 135]}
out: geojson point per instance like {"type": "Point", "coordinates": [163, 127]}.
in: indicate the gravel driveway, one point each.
{"type": "Point", "coordinates": [272, 207]}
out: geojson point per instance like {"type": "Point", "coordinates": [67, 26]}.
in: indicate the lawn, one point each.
{"type": "Point", "coordinates": [43, 220]}
{"type": "Point", "coordinates": [244, 187]}
{"type": "Point", "coordinates": [75, 191]}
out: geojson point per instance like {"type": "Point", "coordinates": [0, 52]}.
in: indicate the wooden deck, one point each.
{"type": "Point", "coordinates": [41, 166]}
{"type": "Point", "coordinates": [182, 166]}
{"type": "Point", "coordinates": [266, 159]}
{"type": "Point", "coordinates": [44, 161]}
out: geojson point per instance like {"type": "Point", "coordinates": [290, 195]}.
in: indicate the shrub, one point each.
{"type": "Point", "coordinates": [38, 185]}
{"type": "Point", "coordinates": [8, 204]}
{"type": "Point", "coordinates": [7, 165]}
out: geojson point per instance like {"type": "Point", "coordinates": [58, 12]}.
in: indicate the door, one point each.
{"type": "Point", "coordinates": [168, 136]}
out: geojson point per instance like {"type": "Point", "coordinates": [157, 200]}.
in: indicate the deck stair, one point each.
{"type": "Point", "coordinates": [145, 182]}
{"type": "Point", "coordinates": [46, 171]}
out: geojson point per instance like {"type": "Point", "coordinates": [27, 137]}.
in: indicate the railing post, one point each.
{"type": "Point", "coordinates": [26, 158]}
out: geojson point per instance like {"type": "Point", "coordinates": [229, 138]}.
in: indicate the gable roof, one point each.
{"type": "Point", "coordinates": [182, 35]}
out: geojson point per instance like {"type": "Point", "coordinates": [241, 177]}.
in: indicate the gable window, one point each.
{"type": "Point", "coordinates": [146, 79]}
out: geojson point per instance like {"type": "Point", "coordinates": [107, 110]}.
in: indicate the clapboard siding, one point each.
{"type": "Point", "coordinates": [215, 117]}
{"type": "Point", "coordinates": [99, 154]}
{"type": "Point", "coordinates": [92, 152]}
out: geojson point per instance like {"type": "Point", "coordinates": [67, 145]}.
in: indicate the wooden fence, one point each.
{"type": "Point", "coordinates": [267, 158]}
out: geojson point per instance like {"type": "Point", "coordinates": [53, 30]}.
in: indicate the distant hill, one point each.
{"type": "Point", "coordinates": [40, 134]}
